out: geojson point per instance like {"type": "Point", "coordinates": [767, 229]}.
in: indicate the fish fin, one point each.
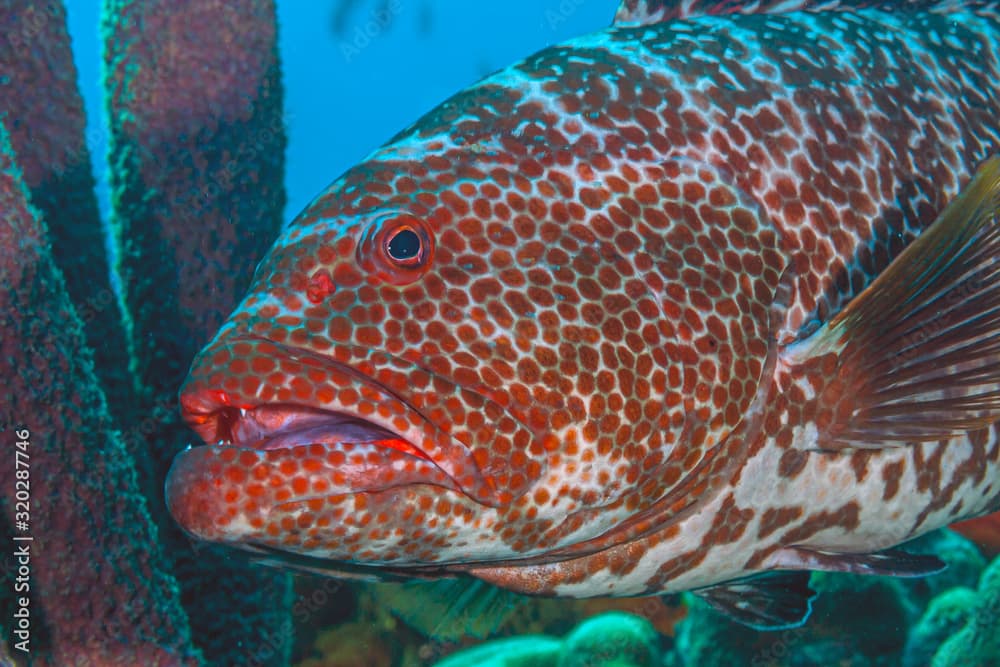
{"type": "Point", "coordinates": [450, 609]}
{"type": "Point", "coordinates": [647, 12]}
{"type": "Point", "coordinates": [769, 601]}
{"type": "Point", "coordinates": [888, 563]}
{"type": "Point", "coordinates": [266, 555]}
{"type": "Point", "coordinates": [916, 356]}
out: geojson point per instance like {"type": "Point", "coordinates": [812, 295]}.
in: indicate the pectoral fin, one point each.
{"type": "Point", "coordinates": [770, 601]}
{"type": "Point", "coordinates": [782, 599]}
{"type": "Point", "coordinates": [888, 563]}
{"type": "Point", "coordinates": [916, 356]}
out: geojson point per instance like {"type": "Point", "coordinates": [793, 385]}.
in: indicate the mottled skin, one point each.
{"type": "Point", "coordinates": [585, 377]}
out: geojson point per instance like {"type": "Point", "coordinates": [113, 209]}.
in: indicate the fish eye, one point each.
{"type": "Point", "coordinates": [403, 245]}
{"type": "Point", "coordinates": [397, 248]}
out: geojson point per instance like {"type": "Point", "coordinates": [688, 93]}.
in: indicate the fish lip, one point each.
{"type": "Point", "coordinates": [214, 413]}
{"type": "Point", "coordinates": [258, 428]}
{"type": "Point", "coordinates": [219, 421]}
{"type": "Point", "coordinates": [273, 426]}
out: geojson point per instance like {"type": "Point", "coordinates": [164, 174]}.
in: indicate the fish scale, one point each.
{"type": "Point", "coordinates": [620, 352]}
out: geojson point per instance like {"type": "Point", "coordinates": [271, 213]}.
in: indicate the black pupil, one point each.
{"type": "Point", "coordinates": [404, 245]}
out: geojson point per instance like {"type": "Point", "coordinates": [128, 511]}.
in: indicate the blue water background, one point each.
{"type": "Point", "coordinates": [348, 92]}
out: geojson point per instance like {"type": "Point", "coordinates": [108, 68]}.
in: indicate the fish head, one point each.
{"type": "Point", "coordinates": [464, 360]}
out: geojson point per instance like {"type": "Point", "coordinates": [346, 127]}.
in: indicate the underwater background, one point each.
{"type": "Point", "coordinates": [135, 208]}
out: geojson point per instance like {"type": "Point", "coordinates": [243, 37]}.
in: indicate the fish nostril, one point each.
{"type": "Point", "coordinates": [321, 285]}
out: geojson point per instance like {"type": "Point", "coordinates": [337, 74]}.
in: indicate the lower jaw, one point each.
{"type": "Point", "coordinates": [212, 491]}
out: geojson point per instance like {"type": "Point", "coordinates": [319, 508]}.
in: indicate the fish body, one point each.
{"type": "Point", "coordinates": [632, 316]}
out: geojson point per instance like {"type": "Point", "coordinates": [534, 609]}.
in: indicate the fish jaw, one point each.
{"type": "Point", "coordinates": [235, 494]}
{"type": "Point", "coordinates": [273, 464]}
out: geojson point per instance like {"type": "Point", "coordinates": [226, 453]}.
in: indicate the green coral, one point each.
{"type": "Point", "coordinates": [708, 639]}
{"type": "Point", "coordinates": [613, 639]}
{"type": "Point", "coordinates": [526, 651]}
{"type": "Point", "coordinates": [977, 642]}
{"type": "Point", "coordinates": [946, 615]}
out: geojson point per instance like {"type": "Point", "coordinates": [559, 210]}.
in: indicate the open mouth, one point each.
{"type": "Point", "coordinates": [348, 453]}
{"type": "Point", "coordinates": [284, 426]}
{"type": "Point", "coordinates": [265, 458]}
{"type": "Point", "coordinates": [330, 452]}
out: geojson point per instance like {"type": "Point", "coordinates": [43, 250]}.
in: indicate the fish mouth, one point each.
{"type": "Point", "coordinates": [224, 415]}
{"type": "Point", "coordinates": [264, 457]}
{"type": "Point", "coordinates": [285, 426]}
{"type": "Point", "coordinates": [264, 461]}
{"type": "Point", "coordinates": [351, 453]}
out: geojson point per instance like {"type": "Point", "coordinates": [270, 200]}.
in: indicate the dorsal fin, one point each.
{"type": "Point", "coordinates": [647, 12]}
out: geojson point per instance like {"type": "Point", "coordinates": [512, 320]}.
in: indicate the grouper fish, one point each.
{"type": "Point", "coordinates": [703, 301]}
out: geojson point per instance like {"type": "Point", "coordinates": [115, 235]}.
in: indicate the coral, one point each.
{"type": "Point", "coordinates": [431, 610]}
{"type": "Point", "coordinates": [197, 156]}
{"type": "Point", "coordinates": [419, 621]}
{"type": "Point", "coordinates": [613, 639]}
{"type": "Point", "coordinates": [100, 592]}
{"type": "Point", "coordinates": [413, 624]}
{"type": "Point", "coordinates": [946, 615]}
{"type": "Point", "coordinates": [196, 151]}
{"type": "Point", "coordinates": [524, 651]}
{"type": "Point", "coordinates": [46, 123]}
{"type": "Point", "coordinates": [965, 565]}
{"type": "Point", "coordinates": [963, 625]}
{"type": "Point", "coordinates": [846, 628]}
{"type": "Point", "coordinates": [909, 597]}
{"type": "Point", "coordinates": [708, 639]}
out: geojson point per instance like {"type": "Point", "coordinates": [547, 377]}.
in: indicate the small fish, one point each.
{"type": "Point", "coordinates": [702, 301]}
